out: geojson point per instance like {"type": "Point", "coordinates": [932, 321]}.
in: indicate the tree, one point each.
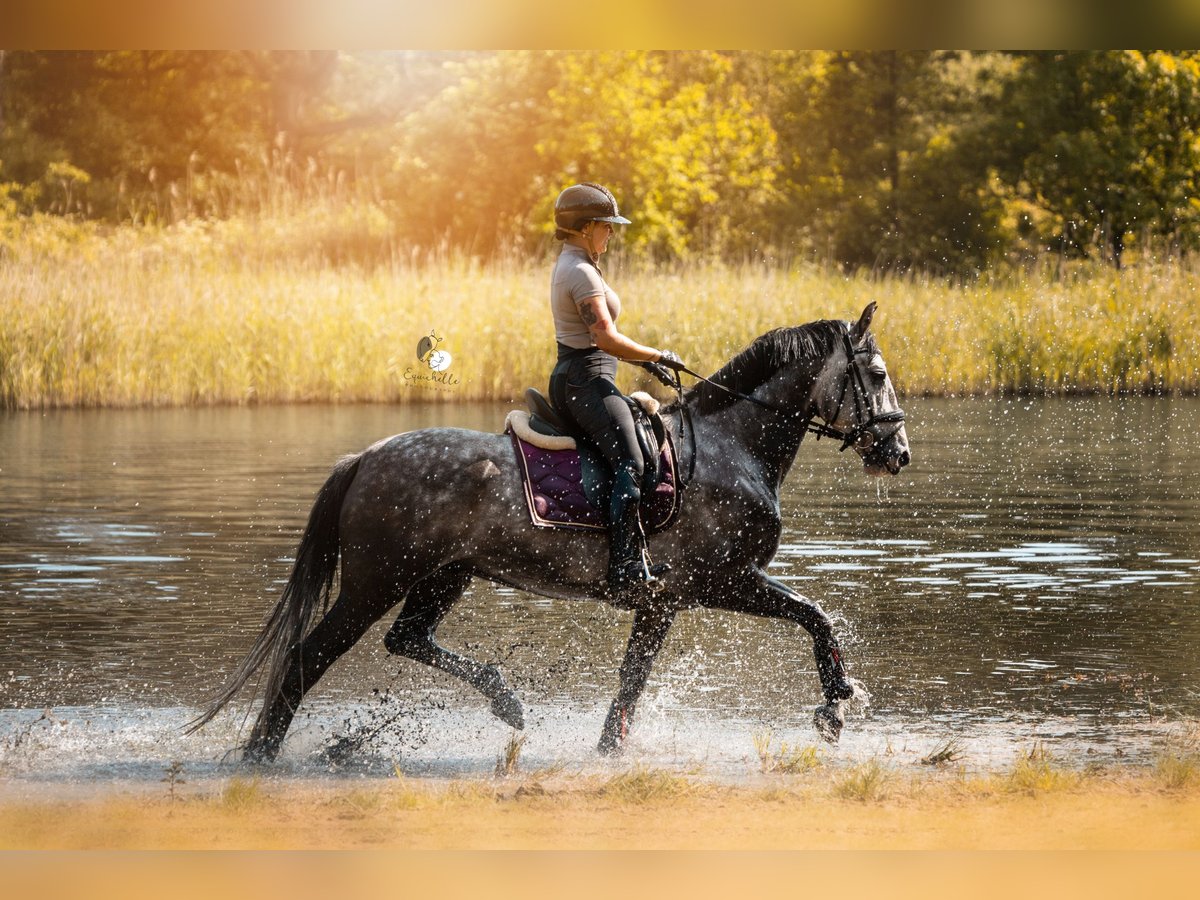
{"type": "Point", "coordinates": [1108, 143]}
{"type": "Point", "coordinates": [879, 165]}
{"type": "Point", "coordinates": [466, 169]}
{"type": "Point", "coordinates": [142, 124]}
{"type": "Point", "coordinates": [675, 136]}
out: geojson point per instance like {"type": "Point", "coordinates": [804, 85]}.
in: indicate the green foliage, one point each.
{"type": "Point", "coordinates": [882, 164]}
{"type": "Point", "coordinates": [466, 169]}
{"type": "Point", "coordinates": [943, 161]}
{"type": "Point", "coordinates": [1108, 143]}
{"type": "Point", "coordinates": [675, 135]}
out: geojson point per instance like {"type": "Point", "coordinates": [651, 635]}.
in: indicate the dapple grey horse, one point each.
{"type": "Point", "coordinates": [737, 435]}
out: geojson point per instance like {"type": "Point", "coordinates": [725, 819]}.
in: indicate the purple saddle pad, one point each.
{"type": "Point", "coordinates": [553, 481]}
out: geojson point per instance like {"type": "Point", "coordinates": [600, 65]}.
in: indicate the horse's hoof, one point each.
{"type": "Point", "coordinates": [507, 708]}
{"type": "Point", "coordinates": [828, 719]}
{"type": "Point", "coordinates": [341, 750]}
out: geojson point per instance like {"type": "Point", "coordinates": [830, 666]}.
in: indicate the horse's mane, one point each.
{"type": "Point", "coordinates": [763, 357]}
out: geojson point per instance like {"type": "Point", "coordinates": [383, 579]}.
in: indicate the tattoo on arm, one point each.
{"type": "Point", "coordinates": [588, 315]}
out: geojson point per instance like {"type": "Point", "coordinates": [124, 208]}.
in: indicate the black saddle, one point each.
{"type": "Point", "coordinates": [651, 433]}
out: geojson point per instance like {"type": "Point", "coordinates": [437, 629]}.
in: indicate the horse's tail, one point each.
{"type": "Point", "coordinates": [311, 580]}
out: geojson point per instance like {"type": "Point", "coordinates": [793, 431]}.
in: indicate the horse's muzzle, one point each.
{"type": "Point", "coordinates": [888, 457]}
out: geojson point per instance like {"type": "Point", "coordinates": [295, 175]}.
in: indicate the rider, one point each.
{"type": "Point", "coordinates": [582, 385]}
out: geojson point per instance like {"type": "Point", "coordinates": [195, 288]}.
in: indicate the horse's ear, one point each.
{"type": "Point", "coordinates": [860, 328]}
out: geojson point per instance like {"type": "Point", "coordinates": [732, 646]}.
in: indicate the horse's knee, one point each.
{"type": "Point", "coordinates": [809, 615]}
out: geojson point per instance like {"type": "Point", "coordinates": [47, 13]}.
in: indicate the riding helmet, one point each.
{"type": "Point", "coordinates": [583, 203]}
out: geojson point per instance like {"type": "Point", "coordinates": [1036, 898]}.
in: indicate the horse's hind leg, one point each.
{"type": "Point", "coordinates": [650, 627]}
{"type": "Point", "coordinates": [412, 635]}
{"type": "Point", "coordinates": [347, 620]}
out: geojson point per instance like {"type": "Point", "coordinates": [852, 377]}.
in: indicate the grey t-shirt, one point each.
{"type": "Point", "coordinates": [574, 280]}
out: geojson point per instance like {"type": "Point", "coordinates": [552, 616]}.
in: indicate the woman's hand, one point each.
{"type": "Point", "coordinates": [670, 359]}
{"type": "Point", "coordinates": [664, 375]}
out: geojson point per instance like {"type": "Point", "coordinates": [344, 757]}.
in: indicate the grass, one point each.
{"type": "Point", "coordinates": [640, 785]}
{"type": "Point", "coordinates": [173, 778]}
{"type": "Point", "coordinates": [243, 311]}
{"type": "Point", "coordinates": [1036, 772]}
{"type": "Point", "coordinates": [948, 752]}
{"type": "Point", "coordinates": [863, 804]}
{"type": "Point", "coordinates": [508, 762]}
{"type": "Point", "coordinates": [404, 795]}
{"type": "Point", "coordinates": [1178, 765]}
{"type": "Point", "coordinates": [865, 782]}
{"type": "Point", "coordinates": [786, 759]}
{"type": "Point", "coordinates": [242, 795]}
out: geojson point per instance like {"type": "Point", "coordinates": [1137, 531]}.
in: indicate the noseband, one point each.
{"type": "Point", "coordinates": [864, 434]}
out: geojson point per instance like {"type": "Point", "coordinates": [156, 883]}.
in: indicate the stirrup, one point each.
{"type": "Point", "coordinates": [635, 579]}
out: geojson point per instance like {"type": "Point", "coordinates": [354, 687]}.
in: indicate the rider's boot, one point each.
{"type": "Point", "coordinates": [835, 684]}
{"type": "Point", "coordinates": [630, 578]}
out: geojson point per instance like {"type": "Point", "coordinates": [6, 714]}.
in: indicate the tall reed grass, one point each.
{"type": "Point", "coordinates": [277, 311]}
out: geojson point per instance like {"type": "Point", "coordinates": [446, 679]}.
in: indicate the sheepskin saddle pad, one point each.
{"type": "Point", "coordinates": [567, 481]}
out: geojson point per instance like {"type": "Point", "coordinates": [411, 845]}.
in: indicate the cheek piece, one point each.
{"type": "Point", "coordinates": [865, 433]}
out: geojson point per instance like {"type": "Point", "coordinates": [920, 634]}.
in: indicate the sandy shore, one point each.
{"type": "Point", "coordinates": [643, 809]}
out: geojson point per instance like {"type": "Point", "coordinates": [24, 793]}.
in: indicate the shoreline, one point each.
{"type": "Point", "coordinates": [1043, 808]}
{"type": "Point", "coordinates": [433, 397]}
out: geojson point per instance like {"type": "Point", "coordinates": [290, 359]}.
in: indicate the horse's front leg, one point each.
{"type": "Point", "coordinates": [650, 627]}
{"type": "Point", "coordinates": [761, 595]}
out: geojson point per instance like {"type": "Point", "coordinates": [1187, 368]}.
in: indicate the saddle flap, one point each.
{"type": "Point", "coordinates": [543, 415]}
{"type": "Point", "coordinates": [649, 442]}
{"type": "Point", "coordinates": [567, 488]}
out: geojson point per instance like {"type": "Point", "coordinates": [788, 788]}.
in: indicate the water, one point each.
{"type": "Point", "coordinates": [1032, 576]}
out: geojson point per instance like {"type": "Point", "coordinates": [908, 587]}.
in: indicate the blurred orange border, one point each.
{"type": "Point", "coordinates": [607, 24]}
{"type": "Point", "coordinates": [582, 876]}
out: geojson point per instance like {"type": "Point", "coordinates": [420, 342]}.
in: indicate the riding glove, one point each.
{"type": "Point", "coordinates": [663, 374]}
{"type": "Point", "coordinates": [670, 359]}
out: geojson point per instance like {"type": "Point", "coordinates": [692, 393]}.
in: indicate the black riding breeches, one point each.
{"type": "Point", "coordinates": [583, 386]}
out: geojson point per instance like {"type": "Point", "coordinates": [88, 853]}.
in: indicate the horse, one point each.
{"type": "Point", "coordinates": [416, 516]}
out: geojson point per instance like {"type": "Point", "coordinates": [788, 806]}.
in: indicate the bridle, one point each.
{"type": "Point", "coordinates": [863, 435]}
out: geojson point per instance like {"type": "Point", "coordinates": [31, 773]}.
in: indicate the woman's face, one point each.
{"type": "Point", "coordinates": [600, 232]}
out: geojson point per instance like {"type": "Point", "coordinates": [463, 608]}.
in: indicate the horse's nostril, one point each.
{"type": "Point", "coordinates": [904, 458]}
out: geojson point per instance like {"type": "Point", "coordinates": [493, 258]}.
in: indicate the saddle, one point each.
{"type": "Point", "coordinates": [568, 482]}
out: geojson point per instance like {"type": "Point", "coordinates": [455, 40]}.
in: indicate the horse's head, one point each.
{"type": "Point", "coordinates": [855, 397]}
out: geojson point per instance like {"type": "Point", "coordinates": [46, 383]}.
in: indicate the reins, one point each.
{"type": "Point", "coordinates": [865, 417]}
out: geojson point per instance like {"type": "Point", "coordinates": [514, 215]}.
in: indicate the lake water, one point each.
{"type": "Point", "coordinates": [1032, 576]}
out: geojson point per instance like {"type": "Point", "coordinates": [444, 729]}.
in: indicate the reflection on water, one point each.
{"type": "Point", "coordinates": [1033, 574]}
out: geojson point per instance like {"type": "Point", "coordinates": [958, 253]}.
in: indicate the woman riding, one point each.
{"type": "Point", "coordinates": [583, 384]}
